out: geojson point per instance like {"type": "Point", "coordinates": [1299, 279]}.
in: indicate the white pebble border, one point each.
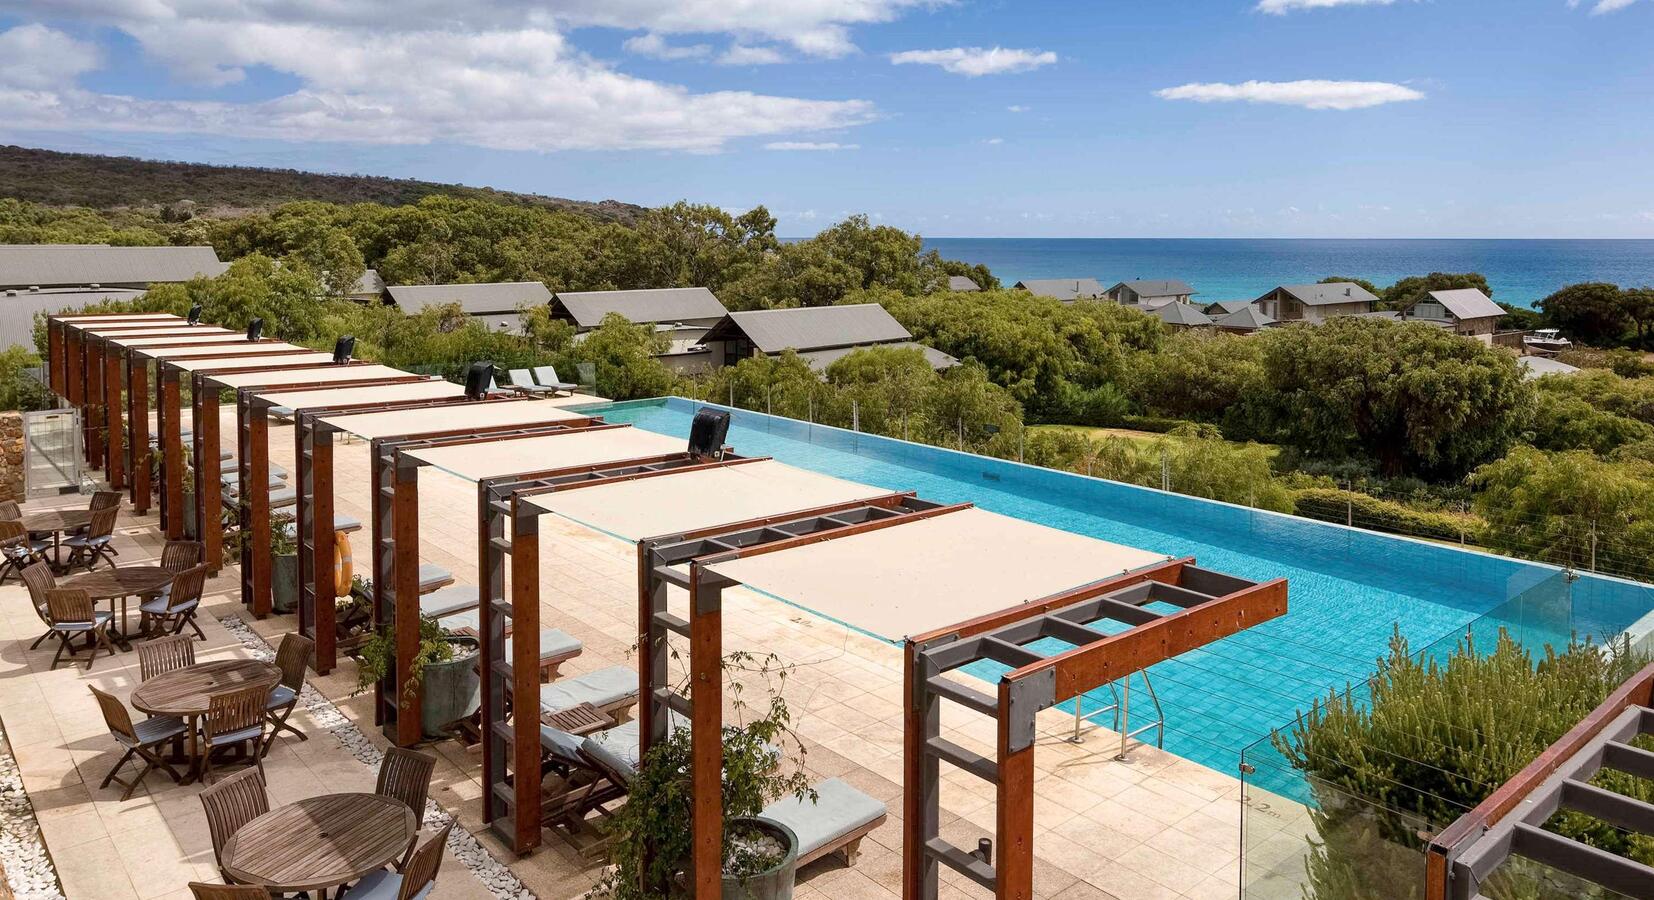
{"type": "Point", "coordinates": [29, 869]}
{"type": "Point", "coordinates": [494, 875]}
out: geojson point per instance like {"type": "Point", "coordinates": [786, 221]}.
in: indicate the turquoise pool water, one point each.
{"type": "Point", "coordinates": [1348, 589]}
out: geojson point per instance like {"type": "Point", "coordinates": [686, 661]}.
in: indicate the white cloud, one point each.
{"type": "Point", "coordinates": [1313, 94]}
{"type": "Point", "coordinates": [974, 61]}
{"type": "Point", "coordinates": [1017, 109]}
{"type": "Point", "coordinates": [996, 140]}
{"type": "Point", "coordinates": [1601, 7]}
{"type": "Point", "coordinates": [655, 47]}
{"type": "Point", "coordinates": [1282, 7]}
{"type": "Point", "coordinates": [745, 55]}
{"type": "Point", "coordinates": [516, 84]}
{"type": "Point", "coordinates": [810, 145]}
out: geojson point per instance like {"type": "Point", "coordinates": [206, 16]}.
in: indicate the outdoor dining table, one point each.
{"type": "Point", "coordinates": [57, 523]}
{"type": "Point", "coordinates": [120, 583]}
{"type": "Point", "coordinates": [187, 692]}
{"type": "Point", "coordinates": [320, 843]}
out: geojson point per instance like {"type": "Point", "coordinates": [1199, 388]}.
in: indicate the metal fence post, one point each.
{"type": "Point", "coordinates": [769, 397]}
{"type": "Point", "coordinates": [1020, 433]}
{"type": "Point", "coordinates": [1349, 504]}
{"type": "Point", "coordinates": [1165, 471]}
{"type": "Point", "coordinates": [855, 415]}
{"type": "Point", "coordinates": [961, 434]}
{"type": "Point", "coordinates": [1593, 545]}
{"type": "Point", "coordinates": [732, 395]}
{"type": "Point", "coordinates": [812, 418]}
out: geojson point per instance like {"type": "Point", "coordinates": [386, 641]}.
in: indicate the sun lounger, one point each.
{"type": "Point", "coordinates": [346, 524]}
{"type": "Point", "coordinates": [230, 465]}
{"type": "Point", "coordinates": [546, 377]}
{"type": "Point", "coordinates": [556, 647]}
{"type": "Point", "coordinates": [433, 577]}
{"type": "Point", "coordinates": [523, 382]}
{"type": "Point", "coordinates": [448, 601]}
{"type": "Point", "coordinates": [838, 819]}
{"type": "Point", "coordinates": [611, 690]}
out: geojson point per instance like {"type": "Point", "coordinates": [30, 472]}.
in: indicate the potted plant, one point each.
{"type": "Point", "coordinates": [443, 676]}
{"type": "Point", "coordinates": [763, 762]}
{"type": "Point", "coordinates": [352, 614]}
{"type": "Point", "coordinates": [284, 565]}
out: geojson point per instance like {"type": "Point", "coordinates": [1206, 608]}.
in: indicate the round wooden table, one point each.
{"type": "Point", "coordinates": [320, 842]}
{"type": "Point", "coordinates": [57, 523]}
{"type": "Point", "coordinates": [119, 584]}
{"type": "Point", "coordinates": [187, 692]}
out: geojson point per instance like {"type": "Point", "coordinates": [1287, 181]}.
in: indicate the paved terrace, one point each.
{"type": "Point", "coordinates": [1153, 828]}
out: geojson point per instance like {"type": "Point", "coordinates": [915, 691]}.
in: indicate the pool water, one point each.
{"type": "Point", "coordinates": [1349, 590]}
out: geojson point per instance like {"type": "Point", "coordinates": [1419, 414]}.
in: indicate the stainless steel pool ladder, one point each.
{"type": "Point", "coordinates": [1121, 707]}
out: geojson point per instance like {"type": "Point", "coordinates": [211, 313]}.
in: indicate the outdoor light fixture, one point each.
{"type": "Point", "coordinates": [254, 329]}
{"type": "Point", "coordinates": [478, 379]}
{"type": "Point", "coordinates": [343, 349]}
{"type": "Point", "coordinates": [706, 435]}
{"type": "Point", "coordinates": [195, 314]}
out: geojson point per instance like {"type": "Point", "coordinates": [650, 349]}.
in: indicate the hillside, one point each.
{"type": "Point", "coordinates": [104, 182]}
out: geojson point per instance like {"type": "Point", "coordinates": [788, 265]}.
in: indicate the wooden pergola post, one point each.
{"type": "Point", "coordinates": [706, 730]}
{"type": "Point", "coordinates": [409, 727]}
{"type": "Point", "coordinates": [169, 417]}
{"type": "Point", "coordinates": [137, 414]}
{"type": "Point", "coordinates": [54, 355]}
{"type": "Point", "coordinates": [315, 513]}
{"type": "Point", "coordinates": [525, 661]}
{"type": "Point", "coordinates": [209, 491]}
{"type": "Point", "coordinates": [94, 405]}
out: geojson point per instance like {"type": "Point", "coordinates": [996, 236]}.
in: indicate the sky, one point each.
{"type": "Point", "coordinates": [953, 118]}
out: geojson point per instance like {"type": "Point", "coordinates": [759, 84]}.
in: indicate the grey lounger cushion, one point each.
{"type": "Point", "coordinates": [432, 577]}
{"type": "Point", "coordinates": [839, 810]}
{"type": "Point", "coordinates": [557, 644]}
{"type": "Point", "coordinates": [340, 523]}
{"type": "Point", "coordinates": [617, 748]}
{"type": "Point", "coordinates": [447, 601]}
{"type": "Point", "coordinates": [547, 377]}
{"type": "Point", "coordinates": [284, 497]}
{"type": "Point", "coordinates": [604, 687]}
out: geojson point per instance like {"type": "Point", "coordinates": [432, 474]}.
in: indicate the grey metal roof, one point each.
{"type": "Point", "coordinates": [1248, 316]}
{"type": "Point", "coordinates": [821, 359]}
{"type": "Point", "coordinates": [961, 283]}
{"type": "Point", "coordinates": [1181, 314]}
{"type": "Point", "coordinates": [811, 327]}
{"type": "Point", "coordinates": [1537, 366]}
{"type": "Point", "coordinates": [369, 283]}
{"type": "Point", "coordinates": [496, 297]}
{"type": "Point", "coordinates": [1170, 287]}
{"type": "Point", "coordinates": [587, 308]}
{"type": "Point", "coordinates": [17, 308]}
{"type": "Point", "coordinates": [81, 265]}
{"type": "Point", "coordinates": [1225, 307]}
{"type": "Point", "coordinates": [1329, 294]}
{"type": "Point", "coordinates": [1467, 303]}
{"type": "Point", "coordinates": [1063, 288]}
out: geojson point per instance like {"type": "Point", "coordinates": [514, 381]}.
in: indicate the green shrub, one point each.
{"type": "Point", "coordinates": [1155, 424]}
{"type": "Point", "coordinates": [1364, 511]}
{"type": "Point", "coordinates": [18, 389]}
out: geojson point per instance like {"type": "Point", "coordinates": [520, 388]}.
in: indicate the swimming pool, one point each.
{"type": "Point", "coordinates": [1348, 588]}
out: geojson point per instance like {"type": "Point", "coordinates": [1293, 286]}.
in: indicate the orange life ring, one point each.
{"type": "Point", "coordinates": [342, 574]}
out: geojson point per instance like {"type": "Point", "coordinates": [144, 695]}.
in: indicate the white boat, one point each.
{"type": "Point", "coordinates": [1546, 340]}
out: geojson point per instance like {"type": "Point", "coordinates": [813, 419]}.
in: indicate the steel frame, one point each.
{"type": "Point", "coordinates": [1508, 823]}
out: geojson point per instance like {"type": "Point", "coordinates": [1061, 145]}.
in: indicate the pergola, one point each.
{"type": "Point", "coordinates": [1510, 822]}
{"type": "Point", "coordinates": [388, 428]}
{"type": "Point", "coordinates": [65, 359]}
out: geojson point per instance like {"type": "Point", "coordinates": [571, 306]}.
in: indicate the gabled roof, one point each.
{"type": "Point", "coordinates": [1225, 307]}
{"type": "Point", "coordinates": [497, 297]}
{"type": "Point", "coordinates": [1328, 294]}
{"type": "Point", "coordinates": [1539, 366]}
{"type": "Point", "coordinates": [821, 359]}
{"type": "Point", "coordinates": [1181, 314]}
{"type": "Point", "coordinates": [1249, 317]}
{"type": "Point", "coordinates": [369, 283]}
{"type": "Point", "coordinates": [961, 283]}
{"type": "Point", "coordinates": [587, 308]}
{"type": "Point", "coordinates": [1466, 303]}
{"type": "Point", "coordinates": [1161, 288]}
{"type": "Point", "coordinates": [65, 265]}
{"type": "Point", "coordinates": [1063, 288]}
{"type": "Point", "coordinates": [811, 327]}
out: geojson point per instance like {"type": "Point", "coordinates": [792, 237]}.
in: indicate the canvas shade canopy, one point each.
{"type": "Point", "coordinates": [336, 374]}
{"type": "Point", "coordinates": [65, 346]}
{"type": "Point", "coordinates": [398, 422]}
{"type": "Point", "coordinates": [193, 336]}
{"type": "Point", "coordinates": [476, 462]}
{"type": "Point", "coordinates": [225, 351]}
{"type": "Point", "coordinates": [232, 357]}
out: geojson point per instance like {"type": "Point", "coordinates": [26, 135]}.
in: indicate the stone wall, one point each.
{"type": "Point", "coordinates": [11, 456]}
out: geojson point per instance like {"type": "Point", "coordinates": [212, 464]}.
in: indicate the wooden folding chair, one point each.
{"type": "Point", "coordinates": [163, 655]}
{"type": "Point", "coordinates": [177, 605]}
{"type": "Point", "coordinates": [234, 718]}
{"type": "Point", "coordinates": [406, 775]}
{"type": "Point", "coordinates": [140, 740]}
{"type": "Point", "coordinates": [292, 658]}
{"type": "Point", "coordinates": [230, 804]}
{"type": "Point", "coordinates": [70, 614]}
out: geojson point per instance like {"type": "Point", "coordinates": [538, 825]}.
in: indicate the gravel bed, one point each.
{"type": "Point", "coordinates": [29, 869]}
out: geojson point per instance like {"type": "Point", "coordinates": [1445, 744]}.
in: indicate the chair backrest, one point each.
{"type": "Point", "coordinates": [232, 803]}
{"type": "Point", "coordinates": [406, 775]}
{"type": "Point", "coordinates": [178, 556]}
{"type": "Point", "coordinates": [66, 606]}
{"type": "Point", "coordinates": [521, 378]}
{"type": "Point", "coordinates": [423, 864]}
{"type": "Point", "coordinates": [205, 891]}
{"type": "Point", "coordinates": [292, 657]}
{"type": "Point", "coordinates": [115, 715]}
{"type": "Point", "coordinates": [12, 534]}
{"type": "Point", "coordinates": [39, 579]}
{"type": "Point", "coordinates": [163, 655]}
{"type": "Point", "coordinates": [103, 522]}
{"type": "Point", "coordinates": [105, 500]}
{"type": "Point", "coordinates": [547, 375]}
{"type": "Point", "coordinates": [10, 510]}
{"type": "Point", "coordinates": [187, 586]}
{"type": "Point", "coordinates": [236, 710]}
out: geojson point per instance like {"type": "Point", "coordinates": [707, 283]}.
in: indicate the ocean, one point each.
{"type": "Point", "coordinates": [1520, 272]}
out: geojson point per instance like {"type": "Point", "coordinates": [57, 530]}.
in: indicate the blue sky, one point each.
{"type": "Point", "coordinates": [1291, 118]}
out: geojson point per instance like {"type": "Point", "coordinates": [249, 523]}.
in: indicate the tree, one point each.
{"type": "Point", "coordinates": [1410, 290]}
{"type": "Point", "coordinates": [623, 355]}
{"type": "Point", "coordinates": [887, 385]}
{"type": "Point", "coordinates": [1560, 421]}
{"type": "Point", "coordinates": [1569, 508]}
{"type": "Point", "coordinates": [1415, 398]}
{"type": "Point", "coordinates": [1639, 308]}
{"type": "Point", "coordinates": [1595, 312]}
{"type": "Point", "coordinates": [1204, 376]}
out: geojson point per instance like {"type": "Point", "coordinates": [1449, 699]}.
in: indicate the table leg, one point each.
{"type": "Point", "coordinates": [194, 771]}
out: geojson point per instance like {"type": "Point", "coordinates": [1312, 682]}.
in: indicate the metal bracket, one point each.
{"type": "Point", "coordinates": [1029, 695]}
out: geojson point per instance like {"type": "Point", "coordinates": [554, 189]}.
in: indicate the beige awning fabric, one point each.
{"type": "Point", "coordinates": [220, 350]}
{"type": "Point", "coordinates": [582, 447]}
{"type": "Point", "coordinates": [458, 417]}
{"type": "Point", "coordinates": [328, 375]}
{"type": "Point", "coordinates": [188, 364]}
{"type": "Point", "coordinates": [84, 322]}
{"type": "Point", "coordinates": [676, 503]}
{"type": "Point", "coordinates": [917, 576]}
{"type": "Point", "coordinates": [345, 395]}
{"type": "Point", "coordinates": [130, 328]}
{"type": "Point", "coordinates": [188, 337]}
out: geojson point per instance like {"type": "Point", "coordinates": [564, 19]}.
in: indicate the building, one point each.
{"type": "Point", "coordinates": [1224, 307]}
{"type": "Point", "coordinates": [1245, 320]}
{"type": "Point", "coordinates": [1065, 289]}
{"type": "Point", "coordinates": [1180, 316]}
{"type": "Point", "coordinates": [18, 306]}
{"type": "Point", "coordinates": [819, 334]}
{"type": "Point", "coordinates": [1151, 294]}
{"type": "Point", "coordinates": [497, 305]}
{"type": "Point", "coordinates": [1539, 366]}
{"type": "Point", "coordinates": [98, 266]}
{"type": "Point", "coordinates": [1316, 303]}
{"type": "Point", "coordinates": [370, 288]}
{"type": "Point", "coordinates": [961, 283]}
{"type": "Point", "coordinates": [1467, 311]}
{"type": "Point", "coordinates": [692, 307]}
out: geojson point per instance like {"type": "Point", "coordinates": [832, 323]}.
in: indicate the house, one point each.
{"type": "Point", "coordinates": [370, 288]}
{"type": "Point", "coordinates": [1316, 303]}
{"type": "Point", "coordinates": [1219, 308]}
{"type": "Point", "coordinates": [497, 305]}
{"type": "Point", "coordinates": [1150, 294]}
{"type": "Point", "coordinates": [819, 334]}
{"type": "Point", "coordinates": [1180, 316]}
{"type": "Point", "coordinates": [1467, 311]}
{"type": "Point", "coordinates": [961, 283]}
{"type": "Point", "coordinates": [690, 307]}
{"type": "Point", "coordinates": [1245, 320]}
{"type": "Point", "coordinates": [18, 306]}
{"type": "Point", "coordinates": [1065, 289]}
{"type": "Point", "coordinates": [99, 266]}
